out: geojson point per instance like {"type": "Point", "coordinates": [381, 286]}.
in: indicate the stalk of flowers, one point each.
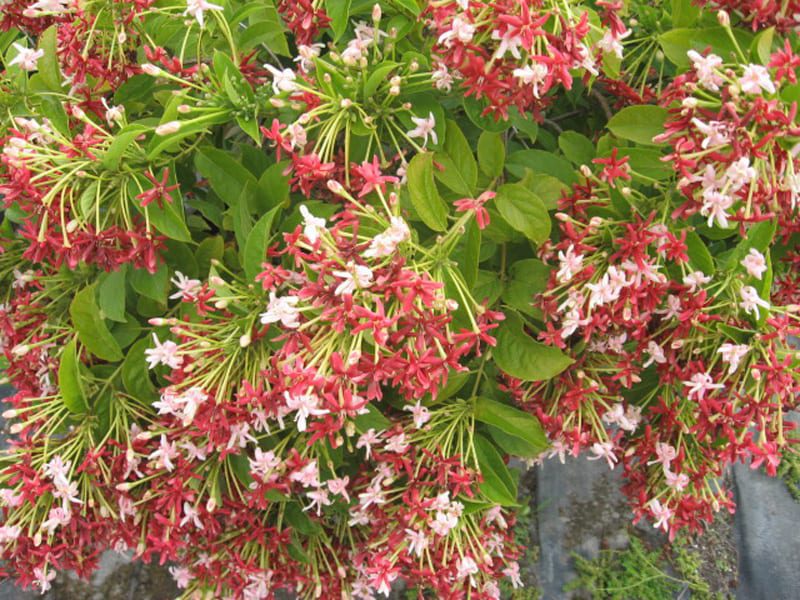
{"type": "Point", "coordinates": [511, 54]}
{"type": "Point", "coordinates": [731, 137]}
{"type": "Point", "coordinates": [349, 105]}
{"type": "Point", "coordinates": [412, 509]}
{"type": "Point", "coordinates": [304, 18]}
{"type": "Point", "coordinates": [758, 14]}
{"type": "Point", "coordinates": [671, 361]}
{"type": "Point", "coordinates": [77, 207]}
{"type": "Point", "coordinates": [34, 17]}
{"type": "Point", "coordinates": [97, 45]}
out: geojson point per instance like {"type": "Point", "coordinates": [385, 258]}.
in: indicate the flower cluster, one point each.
{"type": "Point", "coordinates": [511, 54]}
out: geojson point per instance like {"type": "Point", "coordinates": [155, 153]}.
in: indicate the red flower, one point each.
{"type": "Point", "coordinates": [476, 204]}
{"type": "Point", "coordinates": [160, 190]}
{"type": "Point", "coordinates": [613, 168]}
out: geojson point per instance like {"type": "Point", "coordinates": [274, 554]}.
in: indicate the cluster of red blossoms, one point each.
{"type": "Point", "coordinates": [683, 362]}
{"type": "Point", "coordinates": [512, 54]}
{"type": "Point", "coordinates": [760, 14]}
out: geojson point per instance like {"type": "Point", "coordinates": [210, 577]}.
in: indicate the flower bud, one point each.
{"type": "Point", "coordinates": [336, 187]}
{"type": "Point", "coordinates": [245, 340]}
{"type": "Point", "coordinates": [157, 321]}
{"type": "Point", "coordinates": [724, 18]}
{"type": "Point", "coordinates": [10, 413]}
{"type": "Point", "coordinates": [72, 225]}
{"type": "Point", "coordinates": [184, 108]}
{"type": "Point", "coordinates": [20, 350]}
{"type": "Point", "coordinates": [168, 128]}
{"type": "Point", "coordinates": [152, 70]}
{"type": "Point", "coordinates": [689, 102]}
{"type": "Point", "coordinates": [585, 171]}
{"type": "Point", "coordinates": [17, 428]}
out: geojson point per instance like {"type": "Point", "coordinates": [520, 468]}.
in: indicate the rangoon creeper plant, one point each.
{"type": "Point", "coordinates": [286, 283]}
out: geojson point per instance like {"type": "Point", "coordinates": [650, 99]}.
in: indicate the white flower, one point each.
{"type": "Point", "coordinates": [263, 464]}
{"type": "Point", "coordinates": [367, 440]}
{"type": "Point", "coordinates": [695, 280]}
{"type": "Point", "coordinates": [168, 128]}
{"type": "Point", "coordinates": [442, 78]}
{"type": "Point", "coordinates": [732, 354]}
{"type": "Point", "coordinates": [283, 309]}
{"type": "Point", "coordinates": [306, 405]}
{"type": "Point", "coordinates": [460, 29]}
{"type": "Point", "coordinates": [385, 244]}
{"type": "Point", "coordinates": [425, 126]}
{"type": "Point", "coordinates": [187, 288]}
{"type": "Point", "coordinates": [665, 454]}
{"type": "Point", "coordinates": [604, 450]}
{"type": "Point", "coordinates": [699, 384]}
{"type": "Point", "coordinates": [26, 58]}
{"type": "Point", "coordinates": [466, 567]}
{"type": "Point", "coordinates": [534, 75]}
{"type": "Point", "coordinates": [610, 43]}
{"type": "Point", "coordinates": [417, 541]}
{"type": "Point", "coordinates": [114, 114]}
{"type": "Point", "coordinates": [313, 226]}
{"type": "Point", "coordinates": [197, 9]}
{"type": "Point", "coordinates": [715, 207]}
{"type": "Point", "coordinates": [755, 79]}
{"type": "Point", "coordinates": [163, 354]}
{"type": "Point", "coordinates": [507, 44]}
{"type": "Point", "coordinates": [353, 277]}
{"type": "Point", "coordinates": [165, 454]}
{"type": "Point", "coordinates": [715, 132]}
{"type": "Point", "coordinates": [182, 576]}
{"type": "Point", "coordinates": [319, 498]}
{"type": "Point", "coordinates": [677, 481]}
{"type": "Point", "coordinates": [751, 301]}
{"type": "Point", "coordinates": [307, 54]}
{"type": "Point", "coordinates": [283, 80]}
{"type": "Point", "coordinates": [661, 514]}
{"type": "Point", "coordinates": [48, 6]}
{"type": "Point", "coordinates": [570, 264]}
{"type": "Point", "coordinates": [420, 413]}
{"type": "Point", "coordinates": [739, 173]}
{"type": "Point", "coordinates": [706, 68]}
{"type": "Point", "coordinates": [656, 353]}
{"type": "Point", "coordinates": [42, 578]}
{"type": "Point", "coordinates": [754, 263]}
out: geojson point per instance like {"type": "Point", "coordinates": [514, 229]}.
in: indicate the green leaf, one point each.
{"type": "Point", "coordinates": [541, 161]}
{"type": "Point", "coordinates": [378, 76]}
{"type": "Point", "coordinates": [488, 287]}
{"type": "Point", "coordinates": [227, 177]}
{"type": "Point", "coordinates": [266, 27]}
{"type": "Point", "coordinates": [111, 295]}
{"type": "Point", "coordinates": [136, 375]}
{"type": "Point", "coordinates": [255, 249]}
{"type": "Point", "coordinates": [491, 154]}
{"type": "Point", "coordinates": [151, 285]}
{"type": "Point", "coordinates": [49, 70]}
{"type": "Point", "coordinates": [91, 328]}
{"type": "Point", "coordinates": [339, 13]}
{"type": "Point", "coordinates": [474, 109]}
{"type": "Point", "coordinates": [684, 13]}
{"type": "Point", "coordinates": [167, 218]}
{"type": "Point", "coordinates": [273, 188]}
{"type": "Point", "coordinates": [410, 5]}
{"type": "Point", "coordinates": [513, 422]}
{"type": "Point", "coordinates": [524, 211]}
{"type": "Point", "coordinates": [522, 357]}
{"type": "Point", "coordinates": [528, 278]}
{"type": "Point", "coordinates": [70, 380]}
{"type": "Point", "coordinates": [210, 248]}
{"type": "Point", "coordinates": [372, 419]}
{"type": "Point", "coordinates": [759, 236]}
{"type": "Point", "coordinates": [122, 140]}
{"type": "Point", "coordinates": [548, 188]}
{"type": "Point", "coordinates": [460, 171]}
{"type": "Point", "coordinates": [677, 42]}
{"type": "Point", "coordinates": [761, 48]}
{"type": "Point", "coordinates": [299, 520]}
{"type": "Point", "coordinates": [699, 256]}
{"type": "Point", "coordinates": [639, 123]}
{"type": "Point", "coordinates": [468, 256]}
{"type": "Point", "coordinates": [576, 147]}
{"type": "Point", "coordinates": [498, 485]}
{"type": "Point", "coordinates": [424, 196]}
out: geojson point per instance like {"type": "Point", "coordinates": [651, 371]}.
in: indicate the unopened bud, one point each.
{"type": "Point", "coordinates": [585, 171]}
{"type": "Point", "coordinates": [20, 350]}
{"type": "Point", "coordinates": [724, 18]}
{"type": "Point", "coordinates": [346, 103]}
{"type": "Point", "coordinates": [562, 216]}
{"type": "Point", "coordinates": [414, 66]}
{"type": "Point", "coordinates": [221, 304]}
{"type": "Point", "coordinates": [689, 102]}
{"type": "Point", "coordinates": [377, 13]}
{"type": "Point", "coordinates": [78, 113]}
{"type": "Point", "coordinates": [216, 280]}
{"type": "Point", "coordinates": [336, 187]}
{"type": "Point", "coordinates": [245, 340]}
{"type": "Point", "coordinates": [168, 128]}
{"type": "Point", "coordinates": [157, 321]}
{"type": "Point", "coordinates": [211, 505]}
{"type": "Point", "coordinates": [10, 413]}
{"type": "Point", "coordinates": [395, 80]}
{"type": "Point", "coordinates": [149, 69]}
{"type": "Point", "coordinates": [184, 108]}
{"type": "Point", "coordinates": [122, 37]}
{"type": "Point", "coordinates": [451, 304]}
{"type": "Point", "coordinates": [394, 90]}
{"type": "Point", "coordinates": [144, 435]}
{"type": "Point", "coordinates": [277, 102]}
{"type": "Point", "coordinates": [17, 428]}
{"type": "Point", "coordinates": [72, 225]}
{"type": "Point", "coordinates": [626, 191]}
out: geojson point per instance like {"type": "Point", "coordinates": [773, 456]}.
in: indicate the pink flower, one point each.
{"type": "Point", "coordinates": [163, 354]}
{"type": "Point", "coordinates": [425, 127]}
{"type": "Point", "coordinates": [732, 354]}
{"type": "Point", "coordinates": [754, 263]}
{"type": "Point", "coordinates": [661, 514]}
{"type": "Point", "coordinates": [699, 384]}
{"type": "Point", "coordinates": [751, 300]}
{"type": "Point", "coordinates": [755, 79]}
{"type": "Point", "coordinates": [604, 450]}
